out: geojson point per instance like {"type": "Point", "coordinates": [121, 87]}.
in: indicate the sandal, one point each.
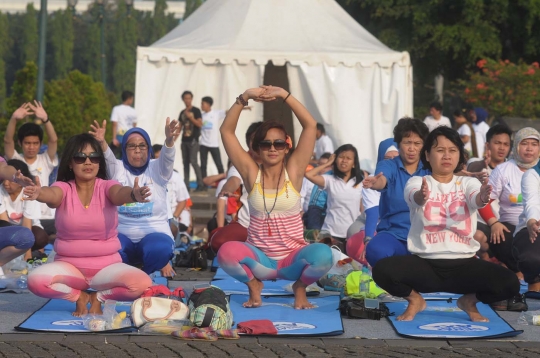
{"type": "Point", "coordinates": [195, 334]}
{"type": "Point", "coordinates": [223, 333]}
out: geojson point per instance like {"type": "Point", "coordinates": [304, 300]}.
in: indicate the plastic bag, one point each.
{"type": "Point", "coordinates": [165, 326]}
{"type": "Point", "coordinates": [529, 318]}
{"type": "Point", "coordinates": [109, 320]}
{"type": "Point", "coordinates": [342, 264]}
{"type": "Point", "coordinates": [311, 288]}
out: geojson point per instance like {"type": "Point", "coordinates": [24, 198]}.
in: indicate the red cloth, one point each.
{"type": "Point", "coordinates": [486, 212]}
{"type": "Point", "coordinates": [257, 326]}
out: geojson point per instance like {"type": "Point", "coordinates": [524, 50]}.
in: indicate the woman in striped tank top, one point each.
{"type": "Point", "coordinates": [275, 247]}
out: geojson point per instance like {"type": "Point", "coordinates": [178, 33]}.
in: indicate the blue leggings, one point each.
{"type": "Point", "coordinates": [154, 251]}
{"type": "Point", "coordinates": [244, 262]}
{"type": "Point", "coordinates": [19, 237]}
{"type": "Point", "coordinates": [384, 245]}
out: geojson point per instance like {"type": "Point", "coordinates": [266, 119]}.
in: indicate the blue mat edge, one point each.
{"type": "Point", "coordinates": [513, 333]}
{"type": "Point", "coordinates": [23, 329]}
{"type": "Point", "coordinates": [328, 334]}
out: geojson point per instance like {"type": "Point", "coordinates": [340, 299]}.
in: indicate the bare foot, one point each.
{"type": "Point", "coordinates": [300, 299]}
{"type": "Point", "coordinates": [81, 305]}
{"type": "Point", "coordinates": [255, 288]}
{"type": "Point", "coordinates": [95, 305]}
{"type": "Point", "coordinates": [416, 304]}
{"type": "Point", "coordinates": [467, 303]}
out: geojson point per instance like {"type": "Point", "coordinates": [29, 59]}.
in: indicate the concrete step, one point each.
{"type": "Point", "coordinates": [202, 216]}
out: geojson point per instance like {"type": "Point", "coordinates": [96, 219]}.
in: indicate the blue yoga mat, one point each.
{"type": "Point", "coordinates": [271, 288]}
{"type": "Point", "coordinates": [55, 316]}
{"type": "Point", "coordinates": [220, 275]}
{"type": "Point", "coordinates": [215, 265]}
{"type": "Point", "coordinates": [324, 320]}
{"type": "Point", "coordinates": [442, 319]}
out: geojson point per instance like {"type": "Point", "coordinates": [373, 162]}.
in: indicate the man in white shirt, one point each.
{"type": "Point", "coordinates": [209, 141]}
{"type": "Point", "coordinates": [123, 118]}
{"type": "Point", "coordinates": [436, 119]}
{"type": "Point", "coordinates": [323, 143]}
{"type": "Point", "coordinates": [30, 139]}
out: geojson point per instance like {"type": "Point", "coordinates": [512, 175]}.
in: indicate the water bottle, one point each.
{"type": "Point", "coordinates": [22, 282]}
{"type": "Point", "coordinates": [365, 280]}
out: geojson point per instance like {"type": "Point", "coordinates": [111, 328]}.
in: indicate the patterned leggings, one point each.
{"type": "Point", "coordinates": [244, 262]}
{"type": "Point", "coordinates": [63, 280]}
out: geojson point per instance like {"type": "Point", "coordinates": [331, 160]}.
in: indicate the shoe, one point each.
{"type": "Point", "coordinates": [201, 188]}
{"type": "Point", "coordinates": [517, 303]}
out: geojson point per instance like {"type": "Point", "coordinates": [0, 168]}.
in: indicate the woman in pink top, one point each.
{"type": "Point", "coordinates": [275, 246]}
{"type": "Point", "coordinates": [87, 241]}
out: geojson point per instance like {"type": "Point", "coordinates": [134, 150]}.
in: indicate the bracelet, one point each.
{"type": "Point", "coordinates": [493, 223]}
{"type": "Point", "coordinates": [242, 101]}
{"type": "Point", "coordinates": [286, 97]}
{"type": "Point", "coordinates": [47, 121]}
{"type": "Point", "coordinates": [133, 197]}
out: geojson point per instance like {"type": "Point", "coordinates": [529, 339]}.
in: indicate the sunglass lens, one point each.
{"type": "Point", "coordinates": [79, 159]}
{"type": "Point", "coordinates": [279, 145]}
{"type": "Point", "coordinates": [265, 145]}
{"type": "Point", "coordinates": [95, 160]}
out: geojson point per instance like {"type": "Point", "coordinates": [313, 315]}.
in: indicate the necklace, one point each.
{"type": "Point", "coordinates": [275, 199]}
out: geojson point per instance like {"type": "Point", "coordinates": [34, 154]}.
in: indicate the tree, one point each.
{"type": "Point", "coordinates": [24, 88]}
{"type": "Point", "coordinates": [4, 48]}
{"type": "Point", "coordinates": [123, 50]}
{"type": "Point", "coordinates": [191, 6]}
{"type": "Point", "coordinates": [29, 44]}
{"type": "Point", "coordinates": [61, 43]}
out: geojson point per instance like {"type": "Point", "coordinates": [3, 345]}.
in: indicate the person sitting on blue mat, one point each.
{"type": "Point", "coordinates": [275, 246]}
{"type": "Point", "coordinates": [143, 228]}
{"type": "Point", "coordinates": [87, 236]}
{"type": "Point", "coordinates": [443, 210]}
{"type": "Point", "coordinates": [390, 179]}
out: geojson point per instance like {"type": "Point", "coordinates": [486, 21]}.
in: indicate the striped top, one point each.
{"type": "Point", "coordinates": [281, 232]}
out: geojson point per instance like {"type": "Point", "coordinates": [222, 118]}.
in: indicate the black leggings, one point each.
{"type": "Point", "coordinates": [399, 275]}
{"type": "Point", "coordinates": [503, 250]}
{"type": "Point", "coordinates": [528, 256]}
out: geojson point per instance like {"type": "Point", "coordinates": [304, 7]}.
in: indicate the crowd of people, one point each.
{"type": "Point", "coordinates": [446, 209]}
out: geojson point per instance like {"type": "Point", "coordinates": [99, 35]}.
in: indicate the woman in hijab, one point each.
{"type": "Point", "coordinates": [143, 228]}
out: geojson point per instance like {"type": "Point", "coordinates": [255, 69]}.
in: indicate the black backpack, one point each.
{"type": "Point", "coordinates": [194, 257]}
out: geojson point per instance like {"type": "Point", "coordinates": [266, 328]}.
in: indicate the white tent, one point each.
{"type": "Point", "coordinates": [352, 83]}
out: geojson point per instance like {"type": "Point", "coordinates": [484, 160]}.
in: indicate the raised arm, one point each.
{"type": "Point", "coordinates": [52, 138]}
{"type": "Point", "coordinates": [50, 195]}
{"type": "Point", "coordinates": [9, 144]}
{"type": "Point", "coordinates": [378, 182]}
{"type": "Point", "coordinates": [299, 159]}
{"type": "Point", "coordinates": [113, 164]}
{"type": "Point", "coordinates": [243, 162]}
{"type": "Point", "coordinates": [120, 195]}
{"type": "Point", "coordinates": [168, 152]}
{"type": "Point", "coordinates": [315, 174]}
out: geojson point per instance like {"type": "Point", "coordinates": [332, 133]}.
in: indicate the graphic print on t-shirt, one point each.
{"type": "Point", "coordinates": [188, 126]}
{"type": "Point", "coordinates": [139, 210]}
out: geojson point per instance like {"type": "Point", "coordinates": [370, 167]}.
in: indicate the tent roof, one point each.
{"type": "Point", "coordinates": [294, 31]}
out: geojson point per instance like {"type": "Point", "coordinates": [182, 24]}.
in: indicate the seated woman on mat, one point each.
{"type": "Point", "coordinates": [14, 210]}
{"type": "Point", "coordinates": [143, 228]}
{"type": "Point", "coordinates": [275, 247]}
{"type": "Point", "coordinates": [443, 221]}
{"type": "Point", "coordinates": [87, 237]}
{"type": "Point", "coordinates": [14, 240]}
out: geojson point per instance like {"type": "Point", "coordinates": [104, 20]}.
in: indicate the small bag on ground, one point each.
{"type": "Point", "coordinates": [209, 307]}
{"type": "Point", "coordinates": [150, 309]}
{"type": "Point", "coordinates": [355, 308]}
{"type": "Point", "coordinates": [194, 257]}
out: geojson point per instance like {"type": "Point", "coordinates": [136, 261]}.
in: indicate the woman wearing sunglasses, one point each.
{"type": "Point", "coordinates": [275, 247]}
{"type": "Point", "coordinates": [87, 241]}
{"type": "Point", "coordinates": [143, 228]}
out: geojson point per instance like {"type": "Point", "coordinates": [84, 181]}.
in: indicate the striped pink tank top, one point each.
{"type": "Point", "coordinates": [282, 231]}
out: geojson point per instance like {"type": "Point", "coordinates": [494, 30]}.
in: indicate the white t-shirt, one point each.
{"type": "Point", "coordinates": [125, 116]}
{"type": "Point", "coordinates": [210, 128]}
{"type": "Point", "coordinates": [370, 198]}
{"type": "Point", "coordinates": [480, 131]}
{"type": "Point", "coordinates": [530, 189]}
{"type": "Point", "coordinates": [243, 213]}
{"type": "Point", "coordinates": [465, 130]}
{"type": "Point", "coordinates": [433, 123]}
{"type": "Point", "coordinates": [343, 204]}
{"type": "Point", "coordinates": [444, 227]}
{"type": "Point", "coordinates": [19, 208]}
{"type": "Point", "coordinates": [323, 145]}
{"type": "Point", "coordinates": [305, 193]}
{"type": "Point", "coordinates": [136, 220]}
{"type": "Point", "coordinates": [42, 167]}
{"type": "Point", "coordinates": [176, 192]}
{"type": "Point", "coordinates": [506, 182]}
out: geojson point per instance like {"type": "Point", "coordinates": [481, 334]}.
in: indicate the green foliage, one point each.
{"type": "Point", "coordinates": [29, 35]}
{"type": "Point", "coordinates": [73, 103]}
{"type": "Point", "coordinates": [191, 6]}
{"type": "Point", "coordinates": [24, 88]}
{"type": "Point", "coordinates": [61, 42]}
{"type": "Point", "coordinates": [4, 48]}
{"type": "Point", "coordinates": [505, 88]}
{"type": "Point", "coordinates": [123, 51]}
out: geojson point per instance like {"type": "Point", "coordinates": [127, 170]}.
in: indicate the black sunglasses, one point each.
{"type": "Point", "coordinates": [279, 144]}
{"type": "Point", "coordinates": [80, 158]}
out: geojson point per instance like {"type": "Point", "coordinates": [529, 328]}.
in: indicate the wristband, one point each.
{"type": "Point", "coordinates": [493, 223]}
{"type": "Point", "coordinates": [286, 97]}
{"type": "Point", "coordinates": [47, 121]}
{"type": "Point", "coordinates": [242, 101]}
{"type": "Point", "coordinates": [133, 197]}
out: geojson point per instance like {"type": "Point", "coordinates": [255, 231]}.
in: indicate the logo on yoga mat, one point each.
{"type": "Point", "coordinates": [292, 326]}
{"type": "Point", "coordinates": [453, 327]}
{"type": "Point", "coordinates": [69, 322]}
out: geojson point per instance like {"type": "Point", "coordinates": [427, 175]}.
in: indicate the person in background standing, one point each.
{"type": "Point", "coordinates": [123, 118]}
{"type": "Point", "coordinates": [190, 124]}
{"type": "Point", "coordinates": [210, 135]}
{"type": "Point", "coordinates": [478, 117]}
{"type": "Point", "coordinates": [323, 144]}
{"type": "Point", "coordinates": [436, 119]}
